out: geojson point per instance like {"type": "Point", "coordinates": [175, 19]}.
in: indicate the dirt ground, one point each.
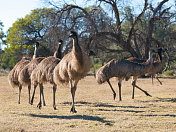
{"type": "Point", "coordinates": [96, 108]}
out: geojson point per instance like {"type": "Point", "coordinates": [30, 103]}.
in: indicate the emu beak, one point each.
{"type": "Point", "coordinates": [91, 53]}
{"type": "Point", "coordinates": [71, 35]}
{"type": "Point", "coordinates": [60, 42]}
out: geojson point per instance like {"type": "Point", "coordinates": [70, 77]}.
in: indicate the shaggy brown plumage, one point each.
{"type": "Point", "coordinates": [158, 66]}
{"type": "Point", "coordinates": [123, 69]}
{"type": "Point", "coordinates": [24, 75]}
{"type": "Point", "coordinates": [13, 74]}
{"type": "Point", "coordinates": [74, 66]}
{"type": "Point", "coordinates": [43, 73]}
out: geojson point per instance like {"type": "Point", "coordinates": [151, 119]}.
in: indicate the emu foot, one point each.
{"type": "Point", "coordinates": [39, 105]}
{"type": "Point", "coordinates": [18, 102]}
{"type": "Point", "coordinates": [147, 94]}
{"type": "Point", "coordinates": [54, 107]}
{"type": "Point", "coordinates": [114, 95]}
{"type": "Point", "coordinates": [32, 100]}
{"type": "Point", "coordinates": [31, 103]}
{"type": "Point", "coordinates": [73, 110]}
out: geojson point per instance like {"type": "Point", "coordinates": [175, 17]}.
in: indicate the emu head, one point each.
{"type": "Point", "coordinates": [73, 34]}
{"type": "Point", "coordinates": [101, 76]}
{"type": "Point", "coordinates": [37, 44]}
{"type": "Point", "coordinates": [91, 53]}
{"type": "Point", "coordinates": [165, 52]}
{"type": "Point", "coordinates": [60, 42]}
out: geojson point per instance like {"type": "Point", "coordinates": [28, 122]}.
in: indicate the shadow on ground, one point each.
{"type": "Point", "coordinates": [166, 115]}
{"type": "Point", "coordinates": [102, 105]}
{"type": "Point", "coordinates": [82, 117]}
{"type": "Point", "coordinates": [173, 100]}
{"type": "Point", "coordinates": [132, 111]}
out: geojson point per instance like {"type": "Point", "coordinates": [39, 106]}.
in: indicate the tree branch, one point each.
{"type": "Point", "coordinates": [137, 19]}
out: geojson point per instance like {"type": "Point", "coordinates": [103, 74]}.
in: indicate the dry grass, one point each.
{"type": "Point", "coordinates": [97, 111]}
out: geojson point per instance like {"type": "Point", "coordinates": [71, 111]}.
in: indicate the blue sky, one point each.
{"type": "Point", "coordinates": [11, 10]}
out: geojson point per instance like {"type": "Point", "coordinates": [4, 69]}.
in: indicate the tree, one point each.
{"type": "Point", "coordinates": [122, 29]}
{"type": "Point", "coordinates": [25, 32]}
{"type": "Point", "coordinates": [2, 34]}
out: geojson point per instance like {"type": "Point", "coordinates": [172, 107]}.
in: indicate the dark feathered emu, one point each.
{"type": "Point", "coordinates": [73, 67]}
{"type": "Point", "coordinates": [13, 76]}
{"type": "Point", "coordinates": [123, 69]}
{"type": "Point", "coordinates": [43, 73]}
{"type": "Point", "coordinates": [159, 65]}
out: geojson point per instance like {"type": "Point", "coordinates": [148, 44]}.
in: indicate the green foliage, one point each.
{"type": "Point", "coordinates": [8, 59]}
{"type": "Point", "coordinates": [2, 34]}
{"type": "Point", "coordinates": [23, 35]}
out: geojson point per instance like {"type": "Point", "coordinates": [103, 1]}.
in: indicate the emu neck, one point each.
{"type": "Point", "coordinates": [58, 53]}
{"type": "Point", "coordinates": [36, 53]}
{"type": "Point", "coordinates": [160, 56]}
{"type": "Point", "coordinates": [77, 49]}
{"type": "Point", "coordinates": [150, 59]}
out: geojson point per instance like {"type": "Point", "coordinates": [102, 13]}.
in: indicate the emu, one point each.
{"type": "Point", "coordinates": [24, 75]}
{"type": "Point", "coordinates": [123, 69]}
{"type": "Point", "coordinates": [13, 76]}
{"type": "Point", "coordinates": [158, 66]}
{"type": "Point", "coordinates": [73, 67]}
{"type": "Point", "coordinates": [44, 73]}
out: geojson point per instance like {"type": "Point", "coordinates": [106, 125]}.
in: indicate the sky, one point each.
{"type": "Point", "coordinates": [11, 10]}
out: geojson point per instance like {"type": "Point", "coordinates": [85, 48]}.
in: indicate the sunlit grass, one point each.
{"type": "Point", "coordinates": [97, 111]}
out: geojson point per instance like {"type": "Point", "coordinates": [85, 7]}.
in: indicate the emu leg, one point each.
{"type": "Point", "coordinates": [32, 100]}
{"type": "Point", "coordinates": [54, 91]}
{"type": "Point", "coordinates": [20, 87]}
{"type": "Point", "coordinates": [143, 90]}
{"type": "Point", "coordinates": [114, 93]}
{"type": "Point", "coordinates": [41, 91]}
{"type": "Point", "coordinates": [73, 90]}
{"type": "Point", "coordinates": [119, 84]}
{"type": "Point", "coordinates": [29, 90]}
{"type": "Point", "coordinates": [43, 96]}
{"type": "Point", "coordinates": [133, 83]}
{"type": "Point", "coordinates": [152, 79]}
{"type": "Point", "coordinates": [159, 80]}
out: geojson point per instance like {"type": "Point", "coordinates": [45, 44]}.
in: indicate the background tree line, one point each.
{"type": "Point", "coordinates": [111, 28]}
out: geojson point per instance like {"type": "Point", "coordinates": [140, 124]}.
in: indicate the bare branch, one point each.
{"type": "Point", "coordinates": [137, 19]}
{"type": "Point", "coordinates": [87, 15]}
{"type": "Point", "coordinates": [159, 6]}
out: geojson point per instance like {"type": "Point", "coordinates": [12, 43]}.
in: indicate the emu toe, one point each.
{"type": "Point", "coordinates": [114, 95]}
{"type": "Point", "coordinates": [54, 107]}
{"type": "Point", "coordinates": [39, 105]}
{"type": "Point", "coordinates": [73, 110]}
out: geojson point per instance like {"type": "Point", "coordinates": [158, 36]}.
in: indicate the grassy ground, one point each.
{"type": "Point", "coordinates": [97, 111]}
